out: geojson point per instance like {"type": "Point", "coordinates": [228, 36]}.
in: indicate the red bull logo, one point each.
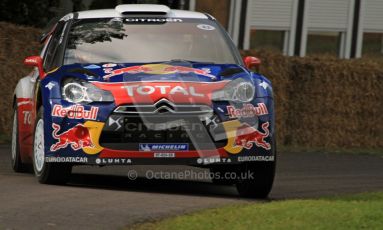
{"type": "Point", "coordinates": [75, 112]}
{"type": "Point", "coordinates": [158, 69]}
{"type": "Point", "coordinates": [247, 136]}
{"type": "Point", "coordinates": [248, 110]}
{"type": "Point", "coordinates": [77, 137]}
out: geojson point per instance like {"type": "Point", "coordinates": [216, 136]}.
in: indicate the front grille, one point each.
{"type": "Point", "coordinates": [127, 131]}
{"type": "Point", "coordinates": [164, 106]}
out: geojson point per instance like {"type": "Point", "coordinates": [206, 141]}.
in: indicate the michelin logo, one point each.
{"type": "Point", "coordinates": [148, 147]}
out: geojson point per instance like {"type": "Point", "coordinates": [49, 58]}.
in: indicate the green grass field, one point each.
{"type": "Point", "coordinates": [363, 211]}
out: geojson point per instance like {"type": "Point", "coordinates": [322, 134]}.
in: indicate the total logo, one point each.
{"type": "Point", "coordinates": [248, 110]}
{"type": "Point", "coordinates": [162, 89]}
{"type": "Point", "coordinates": [75, 112]}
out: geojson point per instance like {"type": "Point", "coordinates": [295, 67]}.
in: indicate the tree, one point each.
{"type": "Point", "coordinates": [28, 12]}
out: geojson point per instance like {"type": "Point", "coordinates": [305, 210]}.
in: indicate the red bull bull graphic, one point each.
{"type": "Point", "coordinates": [159, 69]}
{"type": "Point", "coordinates": [248, 110]}
{"type": "Point", "coordinates": [247, 136]}
{"type": "Point", "coordinates": [77, 137]}
{"type": "Point", "coordinates": [183, 69]}
{"type": "Point", "coordinates": [75, 112]}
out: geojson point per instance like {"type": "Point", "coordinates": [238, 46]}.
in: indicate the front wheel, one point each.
{"type": "Point", "coordinates": [46, 173]}
{"type": "Point", "coordinates": [260, 177]}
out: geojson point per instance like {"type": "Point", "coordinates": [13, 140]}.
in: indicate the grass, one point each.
{"type": "Point", "coordinates": [363, 211]}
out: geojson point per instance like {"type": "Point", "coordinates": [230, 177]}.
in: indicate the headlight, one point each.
{"type": "Point", "coordinates": [80, 91]}
{"type": "Point", "coordinates": [239, 90]}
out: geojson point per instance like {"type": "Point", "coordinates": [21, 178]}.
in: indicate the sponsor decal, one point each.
{"type": "Point", "coordinates": [31, 60]}
{"type": "Point", "coordinates": [212, 160]}
{"type": "Point", "coordinates": [108, 70]}
{"type": "Point", "coordinates": [205, 27]}
{"type": "Point", "coordinates": [182, 91]}
{"type": "Point", "coordinates": [153, 20]}
{"type": "Point", "coordinates": [117, 161]}
{"type": "Point", "coordinates": [241, 136]}
{"type": "Point", "coordinates": [213, 121]}
{"type": "Point", "coordinates": [82, 136]}
{"type": "Point", "coordinates": [26, 102]}
{"type": "Point", "coordinates": [92, 67]}
{"type": "Point", "coordinates": [248, 110]}
{"type": "Point", "coordinates": [183, 69]}
{"type": "Point", "coordinates": [148, 147]}
{"type": "Point", "coordinates": [207, 70]}
{"type": "Point", "coordinates": [118, 122]}
{"type": "Point", "coordinates": [164, 155]}
{"type": "Point", "coordinates": [75, 112]}
{"type": "Point", "coordinates": [159, 69]}
{"type": "Point", "coordinates": [95, 129]}
{"type": "Point", "coordinates": [50, 85]}
{"type": "Point", "coordinates": [66, 159]}
{"type": "Point", "coordinates": [77, 137]}
{"type": "Point", "coordinates": [130, 70]}
{"type": "Point", "coordinates": [161, 90]}
{"type": "Point", "coordinates": [109, 65]}
{"type": "Point", "coordinates": [248, 135]}
{"type": "Point", "coordinates": [255, 158]}
{"type": "Point", "coordinates": [264, 85]}
{"type": "Point", "coordinates": [27, 117]}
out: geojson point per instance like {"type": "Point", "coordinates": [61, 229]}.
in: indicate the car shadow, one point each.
{"type": "Point", "coordinates": [179, 187]}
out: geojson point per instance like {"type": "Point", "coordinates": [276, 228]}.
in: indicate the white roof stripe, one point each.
{"type": "Point", "coordinates": [142, 8]}
{"type": "Point", "coordinates": [111, 13]}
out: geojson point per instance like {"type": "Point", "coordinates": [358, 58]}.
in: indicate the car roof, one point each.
{"type": "Point", "coordinates": [136, 10]}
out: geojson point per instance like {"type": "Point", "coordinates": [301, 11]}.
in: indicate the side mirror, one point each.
{"type": "Point", "coordinates": [35, 61]}
{"type": "Point", "coordinates": [251, 62]}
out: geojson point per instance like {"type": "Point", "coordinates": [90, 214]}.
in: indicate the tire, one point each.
{"type": "Point", "coordinates": [16, 163]}
{"type": "Point", "coordinates": [261, 182]}
{"type": "Point", "coordinates": [46, 173]}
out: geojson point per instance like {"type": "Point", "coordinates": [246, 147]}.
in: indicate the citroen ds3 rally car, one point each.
{"type": "Point", "coordinates": [143, 84]}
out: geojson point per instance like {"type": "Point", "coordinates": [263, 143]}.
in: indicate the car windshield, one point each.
{"type": "Point", "coordinates": [142, 40]}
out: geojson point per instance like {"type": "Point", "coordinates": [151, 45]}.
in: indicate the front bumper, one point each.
{"type": "Point", "coordinates": [103, 134]}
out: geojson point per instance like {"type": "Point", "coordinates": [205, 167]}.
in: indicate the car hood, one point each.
{"type": "Point", "coordinates": [166, 71]}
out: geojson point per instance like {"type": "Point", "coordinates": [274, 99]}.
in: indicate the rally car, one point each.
{"type": "Point", "coordinates": [144, 84]}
